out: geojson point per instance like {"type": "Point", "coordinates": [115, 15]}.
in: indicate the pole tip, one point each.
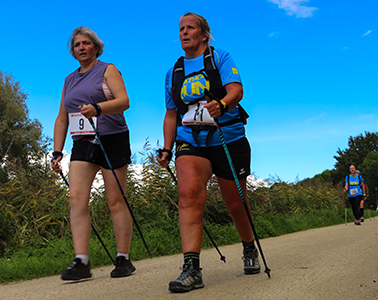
{"type": "Point", "coordinates": [223, 258]}
{"type": "Point", "coordinates": [267, 271]}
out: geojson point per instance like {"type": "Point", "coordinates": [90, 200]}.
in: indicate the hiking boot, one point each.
{"type": "Point", "coordinates": [77, 270]}
{"type": "Point", "coordinates": [362, 220]}
{"type": "Point", "coordinates": [357, 223]}
{"type": "Point", "coordinates": [188, 280]}
{"type": "Point", "coordinates": [123, 267]}
{"type": "Point", "coordinates": [251, 262]}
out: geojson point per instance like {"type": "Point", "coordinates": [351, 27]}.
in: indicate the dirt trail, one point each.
{"type": "Point", "coordinates": [338, 262]}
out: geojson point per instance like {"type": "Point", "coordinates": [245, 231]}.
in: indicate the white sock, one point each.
{"type": "Point", "coordinates": [126, 255]}
{"type": "Point", "coordinates": [83, 257]}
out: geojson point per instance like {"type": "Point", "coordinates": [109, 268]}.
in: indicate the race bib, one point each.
{"type": "Point", "coordinates": [353, 192]}
{"type": "Point", "coordinates": [79, 125]}
{"type": "Point", "coordinates": [198, 115]}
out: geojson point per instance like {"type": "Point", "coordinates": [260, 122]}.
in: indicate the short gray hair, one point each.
{"type": "Point", "coordinates": [91, 34]}
{"type": "Point", "coordinates": [204, 25]}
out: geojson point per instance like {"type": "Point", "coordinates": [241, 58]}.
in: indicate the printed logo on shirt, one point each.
{"type": "Point", "coordinates": [235, 71]}
{"type": "Point", "coordinates": [193, 87]}
{"type": "Point", "coordinates": [242, 171]}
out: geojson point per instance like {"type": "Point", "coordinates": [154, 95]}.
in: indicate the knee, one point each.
{"type": "Point", "coordinates": [236, 207]}
{"type": "Point", "coordinates": [116, 204]}
{"type": "Point", "coordinates": [78, 202]}
{"type": "Point", "coordinates": [191, 198]}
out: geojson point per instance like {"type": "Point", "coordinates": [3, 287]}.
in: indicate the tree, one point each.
{"type": "Point", "coordinates": [21, 144]}
{"type": "Point", "coordinates": [358, 149]}
{"type": "Point", "coordinates": [369, 171]}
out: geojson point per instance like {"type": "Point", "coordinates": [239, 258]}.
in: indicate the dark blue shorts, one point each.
{"type": "Point", "coordinates": [116, 146]}
{"type": "Point", "coordinates": [240, 153]}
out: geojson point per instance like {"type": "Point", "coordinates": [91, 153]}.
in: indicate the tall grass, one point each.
{"type": "Point", "coordinates": [35, 237]}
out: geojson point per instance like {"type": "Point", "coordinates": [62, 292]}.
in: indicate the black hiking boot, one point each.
{"type": "Point", "coordinates": [251, 262]}
{"type": "Point", "coordinates": [188, 280]}
{"type": "Point", "coordinates": [123, 267]}
{"type": "Point", "coordinates": [76, 271]}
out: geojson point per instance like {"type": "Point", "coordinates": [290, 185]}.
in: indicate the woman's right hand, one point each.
{"type": "Point", "coordinates": [55, 164]}
{"type": "Point", "coordinates": [161, 158]}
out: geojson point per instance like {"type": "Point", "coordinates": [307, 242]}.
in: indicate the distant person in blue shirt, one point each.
{"type": "Point", "coordinates": [356, 192]}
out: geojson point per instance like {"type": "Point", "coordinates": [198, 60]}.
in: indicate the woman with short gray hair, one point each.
{"type": "Point", "coordinates": [94, 91]}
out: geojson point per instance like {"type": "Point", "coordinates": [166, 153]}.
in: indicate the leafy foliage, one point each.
{"type": "Point", "coordinates": [358, 148]}
{"type": "Point", "coordinates": [33, 211]}
{"type": "Point", "coordinates": [362, 152]}
{"type": "Point", "coordinates": [21, 143]}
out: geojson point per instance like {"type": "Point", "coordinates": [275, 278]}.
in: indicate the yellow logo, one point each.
{"type": "Point", "coordinates": [194, 86]}
{"type": "Point", "coordinates": [234, 71]}
{"type": "Point", "coordinates": [183, 147]}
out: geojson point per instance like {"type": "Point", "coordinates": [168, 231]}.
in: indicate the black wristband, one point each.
{"type": "Point", "coordinates": [56, 154]}
{"type": "Point", "coordinates": [169, 157]}
{"type": "Point", "coordinates": [97, 108]}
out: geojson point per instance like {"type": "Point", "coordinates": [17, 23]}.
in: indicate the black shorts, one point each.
{"type": "Point", "coordinates": [240, 153]}
{"type": "Point", "coordinates": [116, 146]}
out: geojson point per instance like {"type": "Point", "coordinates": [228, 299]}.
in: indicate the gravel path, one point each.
{"type": "Point", "coordinates": [337, 262]}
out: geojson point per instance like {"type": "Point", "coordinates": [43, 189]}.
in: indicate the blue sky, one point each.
{"type": "Point", "coordinates": [309, 68]}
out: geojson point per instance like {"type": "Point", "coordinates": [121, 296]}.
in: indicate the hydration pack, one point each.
{"type": "Point", "coordinates": [210, 71]}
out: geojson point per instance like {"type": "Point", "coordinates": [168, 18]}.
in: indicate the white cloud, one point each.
{"type": "Point", "coordinates": [295, 7]}
{"type": "Point", "coordinates": [366, 33]}
{"type": "Point", "coordinates": [273, 34]}
{"type": "Point", "coordinates": [313, 119]}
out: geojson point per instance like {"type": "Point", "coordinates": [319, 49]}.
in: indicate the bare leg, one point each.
{"type": "Point", "coordinates": [122, 221]}
{"type": "Point", "coordinates": [81, 177]}
{"type": "Point", "coordinates": [192, 173]}
{"type": "Point", "coordinates": [235, 206]}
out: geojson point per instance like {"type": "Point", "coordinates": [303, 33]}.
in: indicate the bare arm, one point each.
{"type": "Point", "coordinates": [121, 100]}
{"type": "Point", "coordinates": [346, 187]}
{"type": "Point", "coordinates": [60, 132]}
{"type": "Point", "coordinates": [170, 122]}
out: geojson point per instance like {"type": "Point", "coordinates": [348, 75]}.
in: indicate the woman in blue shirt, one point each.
{"type": "Point", "coordinates": [199, 151]}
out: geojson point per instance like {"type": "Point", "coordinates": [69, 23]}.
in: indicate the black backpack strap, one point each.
{"type": "Point", "coordinates": [360, 181]}
{"type": "Point", "coordinates": [243, 114]}
{"type": "Point", "coordinates": [211, 69]}
{"type": "Point", "coordinates": [216, 86]}
{"type": "Point", "coordinates": [196, 129]}
{"type": "Point", "coordinates": [178, 77]}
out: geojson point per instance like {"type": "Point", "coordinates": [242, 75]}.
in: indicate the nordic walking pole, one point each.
{"type": "Point", "coordinates": [222, 257]}
{"type": "Point", "coordinates": [208, 98]}
{"type": "Point", "coordinates": [119, 185]}
{"type": "Point", "coordinates": [93, 228]}
{"type": "Point", "coordinates": [346, 211]}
